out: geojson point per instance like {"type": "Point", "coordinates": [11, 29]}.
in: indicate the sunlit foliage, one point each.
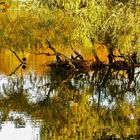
{"type": "Point", "coordinates": [113, 23]}
{"type": "Point", "coordinates": [31, 26]}
{"type": "Point", "coordinates": [65, 23]}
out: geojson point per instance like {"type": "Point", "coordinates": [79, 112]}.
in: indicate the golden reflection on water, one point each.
{"type": "Point", "coordinates": [38, 63]}
{"type": "Point", "coordinates": [9, 63]}
{"type": "Point", "coordinates": [63, 119]}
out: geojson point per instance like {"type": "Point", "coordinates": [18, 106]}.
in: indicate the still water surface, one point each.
{"type": "Point", "coordinates": [41, 102]}
{"type": "Point", "coordinates": [11, 128]}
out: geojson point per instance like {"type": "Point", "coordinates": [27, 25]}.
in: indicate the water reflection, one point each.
{"type": "Point", "coordinates": [19, 126]}
{"type": "Point", "coordinates": [74, 104]}
{"type": "Point", "coordinates": [14, 64]}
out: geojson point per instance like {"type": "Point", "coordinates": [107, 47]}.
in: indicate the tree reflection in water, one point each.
{"type": "Point", "coordinates": [76, 105]}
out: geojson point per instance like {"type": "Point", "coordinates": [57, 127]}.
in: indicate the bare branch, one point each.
{"type": "Point", "coordinates": [15, 70]}
{"type": "Point", "coordinates": [16, 56]}
{"type": "Point", "coordinates": [47, 54]}
{"type": "Point", "coordinates": [60, 55]}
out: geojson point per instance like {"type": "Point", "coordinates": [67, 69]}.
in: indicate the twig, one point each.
{"type": "Point", "coordinates": [47, 54]}
{"type": "Point", "coordinates": [78, 55]}
{"type": "Point", "coordinates": [15, 70]}
{"type": "Point", "coordinates": [17, 56]}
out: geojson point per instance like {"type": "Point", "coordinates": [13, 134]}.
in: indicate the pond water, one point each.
{"type": "Point", "coordinates": [56, 103]}
{"type": "Point", "coordinates": [13, 129]}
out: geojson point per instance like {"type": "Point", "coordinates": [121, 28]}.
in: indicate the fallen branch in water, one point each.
{"type": "Point", "coordinates": [59, 55]}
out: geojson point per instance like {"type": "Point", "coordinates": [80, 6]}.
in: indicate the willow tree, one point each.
{"type": "Point", "coordinates": [31, 25]}
{"type": "Point", "coordinates": [67, 23]}
{"type": "Point", "coordinates": [114, 24]}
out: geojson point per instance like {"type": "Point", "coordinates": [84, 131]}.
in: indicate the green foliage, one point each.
{"type": "Point", "coordinates": [113, 23]}
{"type": "Point", "coordinates": [65, 23]}
{"type": "Point", "coordinates": [32, 25]}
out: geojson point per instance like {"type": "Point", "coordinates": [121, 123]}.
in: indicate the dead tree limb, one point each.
{"type": "Point", "coordinates": [16, 56]}
{"type": "Point", "coordinates": [41, 53]}
{"type": "Point", "coordinates": [78, 55]}
{"type": "Point", "coordinates": [57, 54]}
{"type": "Point", "coordinates": [15, 70]}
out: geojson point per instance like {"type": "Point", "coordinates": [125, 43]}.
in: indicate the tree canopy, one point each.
{"type": "Point", "coordinates": [115, 24]}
